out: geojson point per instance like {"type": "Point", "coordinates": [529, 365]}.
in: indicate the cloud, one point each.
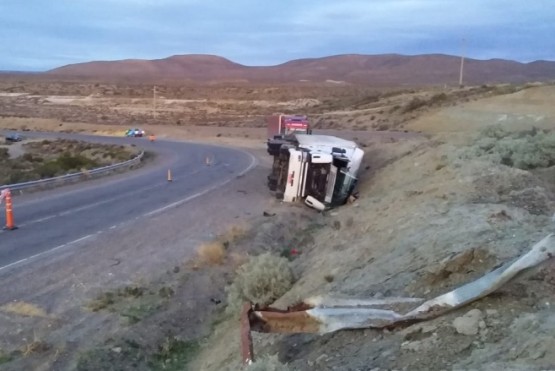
{"type": "Point", "coordinates": [38, 35]}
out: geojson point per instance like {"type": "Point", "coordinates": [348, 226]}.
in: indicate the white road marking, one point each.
{"type": "Point", "coordinates": [105, 201]}
{"type": "Point", "coordinates": [209, 189]}
{"type": "Point", "coordinates": [252, 164]}
{"type": "Point", "coordinates": [48, 251]}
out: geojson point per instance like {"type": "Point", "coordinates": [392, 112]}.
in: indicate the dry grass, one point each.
{"type": "Point", "coordinates": [214, 252]}
{"type": "Point", "coordinates": [237, 259]}
{"type": "Point", "coordinates": [24, 309]}
{"type": "Point", "coordinates": [211, 253]}
{"type": "Point", "coordinates": [234, 233]}
{"type": "Point", "coordinates": [35, 346]}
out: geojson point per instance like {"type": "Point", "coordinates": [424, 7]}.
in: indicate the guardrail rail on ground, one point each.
{"type": "Point", "coordinates": [73, 177]}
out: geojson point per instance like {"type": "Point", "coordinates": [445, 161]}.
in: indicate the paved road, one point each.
{"type": "Point", "coordinates": [50, 220]}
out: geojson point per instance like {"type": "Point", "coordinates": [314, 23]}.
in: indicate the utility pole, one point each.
{"type": "Point", "coordinates": [462, 64]}
{"type": "Point", "coordinates": [154, 101]}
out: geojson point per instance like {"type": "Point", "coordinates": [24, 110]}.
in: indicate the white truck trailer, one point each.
{"type": "Point", "coordinates": [320, 170]}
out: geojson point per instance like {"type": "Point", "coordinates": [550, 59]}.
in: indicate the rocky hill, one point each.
{"type": "Point", "coordinates": [380, 70]}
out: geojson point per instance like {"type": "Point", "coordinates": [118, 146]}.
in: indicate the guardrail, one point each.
{"type": "Point", "coordinates": [73, 177]}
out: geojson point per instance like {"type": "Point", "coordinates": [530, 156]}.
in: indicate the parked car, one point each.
{"type": "Point", "coordinates": [14, 138]}
{"type": "Point", "coordinates": [134, 133]}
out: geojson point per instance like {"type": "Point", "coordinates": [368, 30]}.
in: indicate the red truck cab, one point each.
{"type": "Point", "coordinates": [287, 125]}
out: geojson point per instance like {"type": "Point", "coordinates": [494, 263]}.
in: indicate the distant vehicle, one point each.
{"type": "Point", "coordinates": [14, 138]}
{"type": "Point", "coordinates": [135, 133]}
{"type": "Point", "coordinates": [285, 126]}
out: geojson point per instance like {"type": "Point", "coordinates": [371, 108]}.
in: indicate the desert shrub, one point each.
{"type": "Point", "coordinates": [267, 363]}
{"type": "Point", "coordinates": [233, 234]}
{"type": "Point", "coordinates": [18, 176]}
{"type": "Point", "coordinates": [414, 104]}
{"type": "Point", "coordinates": [211, 253]}
{"type": "Point", "coordinates": [505, 89]}
{"type": "Point", "coordinates": [438, 98]}
{"type": "Point", "coordinates": [69, 162]}
{"type": "Point", "coordinates": [18, 165]}
{"type": "Point", "coordinates": [524, 150]}
{"type": "Point", "coordinates": [29, 157]}
{"type": "Point", "coordinates": [173, 354]}
{"type": "Point", "coordinates": [382, 127]}
{"type": "Point", "coordinates": [262, 280]}
{"type": "Point", "coordinates": [391, 110]}
{"type": "Point", "coordinates": [49, 169]}
{"type": "Point", "coordinates": [494, 131]}
{"type": "Point", "coordinates": [4, 154]}
{"type": "Point", "coordinates": [4, 357]}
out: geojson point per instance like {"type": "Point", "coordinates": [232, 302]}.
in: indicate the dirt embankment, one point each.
{"type": "Point", "coordinates": [429, 219]}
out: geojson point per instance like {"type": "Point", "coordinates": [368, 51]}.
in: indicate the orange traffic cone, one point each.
{"type": "Point", "coordinates": [169, 175]}
{"type": "Point", "coordinates": [10, 225]}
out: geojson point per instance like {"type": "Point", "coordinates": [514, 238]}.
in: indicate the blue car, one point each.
{"type": "Point", "coordinates": [134, 133]}
{"type": "Point", "coordinates": [14, 138]}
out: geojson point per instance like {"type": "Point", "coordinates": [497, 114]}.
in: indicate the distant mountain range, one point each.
{"type": "Point", "coordinates": [382, 70]}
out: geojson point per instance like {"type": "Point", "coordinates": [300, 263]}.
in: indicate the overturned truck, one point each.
{"type": "Point", "coordinates": [319, 169]}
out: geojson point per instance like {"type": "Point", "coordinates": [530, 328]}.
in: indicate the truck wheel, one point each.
{"type": "Point", "coordinates": [272, 182]}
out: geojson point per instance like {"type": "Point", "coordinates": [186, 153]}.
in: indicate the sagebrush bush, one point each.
{"type": "Point", "coordinates": [261, 280]}
{"type": "Point", "coordinates": [4, 154]}
{"type": "Point", "coordinates": [267, 363]}
{"type": "Point", "coordinates": [414, 104]}
{"type": "Point", "coordinates": [234, 233]}
{"type": "Point", "coordinates": [524, 150]}
{"type": "Point", "coordinates": [494, 131]}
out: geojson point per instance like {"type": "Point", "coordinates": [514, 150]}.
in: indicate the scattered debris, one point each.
{"type": "Point", "coordinates": [265, 213]}
{"type": "Point", "coordinates": [325, 314]}
{"type": "Point", "coordinates": [470, 323]}
{"type": "Point", "coordinates": [500, 216]}
{"type": "Point", "coordinates": [116, 262]}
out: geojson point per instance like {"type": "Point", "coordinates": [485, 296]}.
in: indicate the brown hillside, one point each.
{"type": "Point", "coordinates": [386, 69]}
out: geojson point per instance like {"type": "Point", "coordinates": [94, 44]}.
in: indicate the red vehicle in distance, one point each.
{"type": "Point", "coordinates": [280, 126]}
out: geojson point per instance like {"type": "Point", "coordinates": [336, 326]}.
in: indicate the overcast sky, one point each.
{"type": "Point", "coordinates": [42, 34]}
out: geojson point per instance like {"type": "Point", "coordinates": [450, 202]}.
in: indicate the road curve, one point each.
{"type": "Point", "coordinates": [53, 219]}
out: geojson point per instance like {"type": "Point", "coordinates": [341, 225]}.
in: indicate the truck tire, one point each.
{"type": "Point", "coordinates": [272, 182]}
